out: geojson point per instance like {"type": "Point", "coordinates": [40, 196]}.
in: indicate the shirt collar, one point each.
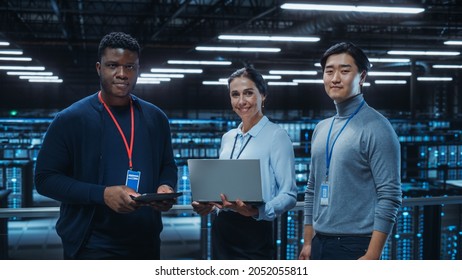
{"type": "Point", "coordinates": [255, 129]}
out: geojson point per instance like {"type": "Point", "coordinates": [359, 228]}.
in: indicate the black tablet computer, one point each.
{"type": "Point", "coordinates": [149, 197]}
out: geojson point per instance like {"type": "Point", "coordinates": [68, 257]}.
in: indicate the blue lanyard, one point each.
{"type": "Point", "coordinates": [329, 155]}
{"type": "Point", "coordinates": [242, 149]}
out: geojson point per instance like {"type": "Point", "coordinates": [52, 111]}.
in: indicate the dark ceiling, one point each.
{"type": "Point", "coordinates": [63, 36]}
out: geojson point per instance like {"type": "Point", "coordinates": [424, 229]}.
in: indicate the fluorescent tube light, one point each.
{"type": "Point", "coordinates": [282, 84]}
{"type": "Point", "coordinates": [452, 42]}
{"type": "Point", "coordinates": [436, 53]}
{"type": "Point", "coordinates": [3, 43]}
{"type": "Point", "coordinates": [199, 62]}
{"type": "Point", "coordinates": [443, 66]}
{"type": "Point", "coordinates": [269, 38]}
{"type": "Point", "coordinates": [38, 80]}
{"type": "Point", "coordinates": [352, 8]}
{"type": "Point", "coordinates": [11, 52]}
{"type": "Point", "coordinates": [390, 82]}
{"type": "Point", "coordinates": [19, 73]}
{"type": "Point", "coordinates": [160, 79]}
{"type": "Point", "coordinates": [236, 49]}
{"type": "Point", "coordinates": [160, 75]}
{"type": "Point", "coordinates": [272, 77]}
{"type": "Point", "coordinates": [266, 77]}
{"type": "Point", "coordinates": [148, 82]}
{"type": "Point", "coordinates": [378, 73]}
{"type": "Point", "coordinates": [38, 77]}
{"type": "Point", "coordinates": [434, 79]}
{"type": "Point", "coordinates": [4, 58]}
{"type": "Point", "coordinates": [208, 83]}
{"type": "Point", "coordinates": [389, 60]}
{"type": "Point", "coordinates": [31, 68]}
{"type": "Point", "coordinates": [308, 81]}
{"type": "Point", "coordinates": [292, 72]}
{"type": "Point", "coordinates": [176, 70]}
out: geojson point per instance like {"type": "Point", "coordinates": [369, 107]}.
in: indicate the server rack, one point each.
{"type": "Point", "coordinates": [431, 163]}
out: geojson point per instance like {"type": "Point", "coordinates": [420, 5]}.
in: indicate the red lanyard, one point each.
{"type": "Point", "coordinates": [132, 136]}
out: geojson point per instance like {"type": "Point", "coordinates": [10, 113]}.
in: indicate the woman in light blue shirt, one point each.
{"type": "Point", "coordinates": [240, 230]}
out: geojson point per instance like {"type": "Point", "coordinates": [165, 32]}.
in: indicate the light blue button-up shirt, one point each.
{"type": "Point", "coordinates": [272, 146]}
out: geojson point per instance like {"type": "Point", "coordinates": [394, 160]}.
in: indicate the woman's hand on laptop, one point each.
{"type": "Point", "coordinates": [240, 207]}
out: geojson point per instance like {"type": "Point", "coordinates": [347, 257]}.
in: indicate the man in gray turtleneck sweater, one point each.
{"type": "Point", "coordinates": [354, 189]}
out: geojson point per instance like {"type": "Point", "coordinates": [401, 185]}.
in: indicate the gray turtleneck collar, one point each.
{"type": "Point", "coordinates": [347, 107]}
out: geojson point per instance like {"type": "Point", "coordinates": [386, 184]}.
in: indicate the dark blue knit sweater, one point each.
{"type": "Point", "coordinates": [74, 165]}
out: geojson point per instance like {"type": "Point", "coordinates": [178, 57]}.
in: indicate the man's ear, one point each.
{"type": "Point", "coordinates": [98, 68]}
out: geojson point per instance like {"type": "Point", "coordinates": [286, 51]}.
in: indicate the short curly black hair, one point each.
{"type": "Point", "coordinates": [118, 40]}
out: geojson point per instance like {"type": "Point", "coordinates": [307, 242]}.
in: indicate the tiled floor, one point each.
{"type": "Point", "coordinates": [33, 239]}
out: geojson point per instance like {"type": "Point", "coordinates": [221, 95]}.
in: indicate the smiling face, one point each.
{"type": "Point", "coordinates": [342, 79]}
{"type": "Point", "coordinates": [246, 101]}
{"type": "Point", "coordinates": [118, 72]}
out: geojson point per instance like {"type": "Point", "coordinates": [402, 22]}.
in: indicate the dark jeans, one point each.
{"type": "Point", "coordinates": [326, 247]}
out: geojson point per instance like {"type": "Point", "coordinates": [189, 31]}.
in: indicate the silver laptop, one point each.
{"type": "Point", "coordinates": [236, 178]}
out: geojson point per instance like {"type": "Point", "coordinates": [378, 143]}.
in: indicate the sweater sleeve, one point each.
{"type": "Point", "coordinates": [54, 167]}
{"type": "Point", "coordinates": [385, 162]}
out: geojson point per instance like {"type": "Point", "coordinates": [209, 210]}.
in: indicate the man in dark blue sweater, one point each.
{"type": "Point", "coordinates": [90, 150]}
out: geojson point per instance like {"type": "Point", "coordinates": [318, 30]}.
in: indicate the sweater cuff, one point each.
{"type": "Point", "coordinates": [383, 226]}
{"type": "Point", "coordinates": [97, 194]}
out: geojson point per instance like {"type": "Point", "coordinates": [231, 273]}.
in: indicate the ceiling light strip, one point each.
{"type": "Point", "coordinates": [11, 52]}
{"type": "Point", "coordinates": [453, 42]}
{"type": "Point", "coordinates": [19, 73]}
{"type": "Point", "coordinates": [434, 79]}
{"type": "Point", "coordinates": [199, 62]}
{"type": "Point", "coordinates": [293, 72]}
{"type": "Point", "coordinates": [390, 82]}
{"type": "Point", "coordinates": [447, 66]}
{"type": "Point", "coordinates": [161, 75]}
{"type": "Point", "coordinates": [381, 74]}
{"type": "Point", "coordinates": [237, 49]}
{"type": "Point", "coordinates": [268, 38]}
{"type": "Point", "coordinates": [352, 8]}
{"type": "Point", "coordinates": [5, 58]}
{"type": "Point", "coordinates": [25, 68]}
{"type": "Point", "coordinates": [176, 70]}
{"type": "Point", "coordinates": [435, 53]}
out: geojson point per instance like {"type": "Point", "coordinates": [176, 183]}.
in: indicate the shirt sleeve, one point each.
{"type": "Point", "coordinates": [308, 204]}
{"type": "Point", "coordinates": [282, 163]}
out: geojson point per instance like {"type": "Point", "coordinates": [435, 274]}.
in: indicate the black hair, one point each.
{"type": "Point", "coordinates": [361, 60]}
{"type": "Point", "coordinates": [116, 40]}
{"type": "Point", "coordinates": [253, 75]}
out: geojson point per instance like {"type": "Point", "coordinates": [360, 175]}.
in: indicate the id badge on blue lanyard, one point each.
{"type": "Point", "coordinates": [325, 193]}
{"type": "Point", "coordinates": [133, 179]}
